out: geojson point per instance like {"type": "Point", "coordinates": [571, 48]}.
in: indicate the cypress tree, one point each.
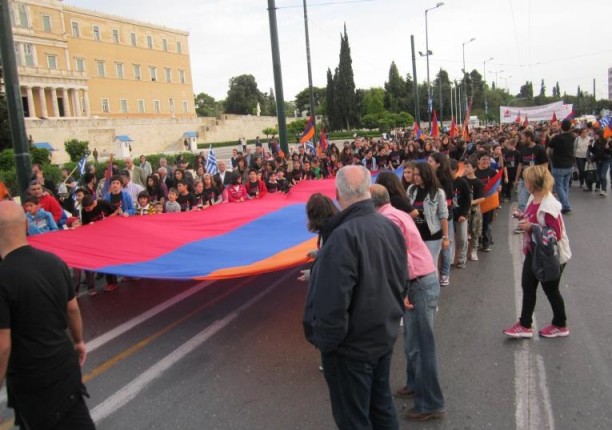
{"type": "Point", "coordinates": [344, 88]}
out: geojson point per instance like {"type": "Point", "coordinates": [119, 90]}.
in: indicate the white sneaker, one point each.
{"type": "Point", "coordinates": [473, 256]}
{"type": "Point", "coordinates": [444, 280]}
{"type": "Point", "coordinates": [602, 194]}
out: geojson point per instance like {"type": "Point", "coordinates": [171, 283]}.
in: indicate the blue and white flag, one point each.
{"type": "Point", "coordinates": [311, 148]}
{"type": "Point", "coordinates": [211, 162]}
{"type": "Point", "coordinates": [82, 163]}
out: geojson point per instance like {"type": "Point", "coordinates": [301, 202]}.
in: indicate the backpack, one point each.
{"type": "Point", "coordinates": [545, 262]}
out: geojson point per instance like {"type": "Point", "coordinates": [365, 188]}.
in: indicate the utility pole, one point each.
{"type": "Point", "coordinates": [313, 112]}
{"type": "Point", "coordinates": [13, 98]}
{"type": "Point", "coordinates": [278, 78]}
{"type": "Point", "coordinates": [415, 83]}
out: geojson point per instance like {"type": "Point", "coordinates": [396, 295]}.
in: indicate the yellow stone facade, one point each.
{"type": "Point", "coordinates": [78, 63]}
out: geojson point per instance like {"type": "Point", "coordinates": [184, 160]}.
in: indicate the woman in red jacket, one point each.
{"type": "Point", "coordinates": [236, 192]}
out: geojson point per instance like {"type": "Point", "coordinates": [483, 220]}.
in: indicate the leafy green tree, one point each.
{"type": "Point", "coordinates": [370, 121]}
{"type": "Point", "coordinates": [243, 95]}
{"type": "Point", "coordinates": [344, 91]}
{"type": "Point", "coordinates": [76, 149]}
{"type": "Point", "coordinates": [207, 106]}
{"type": "Point", "coordinates": [302, 99]}
{"type": "Point", "coordinates": [373, 101]}
{"type": "Point", "coordinates": [526, 92]}
{"type": "Point", "coordinates": [330, 98]}
{"type": "Point", "coordinates": [441, 87]}
{"type": "Point", "coordinates": [396, 91]}
{"type": "Point", "coordinates": [267, 103]}
{"type": "Point", "coordinates": [296, 128]}
{"type": "Point", "coordinates": [40, 155]}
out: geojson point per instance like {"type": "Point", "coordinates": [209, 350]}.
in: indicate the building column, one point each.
{"type": "Point", "coordinates": [31, 106]}
{"type": "Point", "coordinates": [65, 102]}
{"type": "Point", "coordinates": [77, 103]}
{"type": "Point", "coordinates": [87, 105]}
{"type": "Point", "coordinates": [43, 102]}
{"type": "Point", "coordinates": [54, 103]}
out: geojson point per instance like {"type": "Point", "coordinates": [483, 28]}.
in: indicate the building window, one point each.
{"type": "Point", "coordinates": [165, 45]}
{"type": "Point", "coordinates": [46, 21]}
{"type": "Point", "coordinates": [101, 69]}
{"type": "Point", "coordinates": [96, 32]}
{"type": "Point", "coordinates": [137, 75]}
{"type": "Point", "coordinates": [115, 35]}
{"type": "Point", "coordinates": [75, 29]}
{"type": "Point", "coordinates": [150, 42]}
{"type": "Point", "coordinates": [23, 16]}
{"type": "Point", "coordinates": [119, 67]}
{"type": "Point", "coordinates": [153, 72]}
{"type": "Point", "coordinates": [168, 72]}
{"type": "Point", "coordinates": [181, 76]}
{"type": "Point", "coordinates": [123, 105]}
{"type": "Point", "coordinates": [80, 64]}
{"type": "Point", "coordinates": [185, 106]}
{"type": "Point", "coordinates": [52, 61]}
{"type": "Point", "coordinates": [171, 105]}
{"type": "Point", "coordinates": [105, 106]}
{"type": "Point", "coordinates": [18, 56]}
{"type": "Point", "coordinates": [141, 106]}
{"type": "Point", "coordinates": [179, 48]}
{"type": "Point", "coordinates": [156, 106]}
{"type": "Point", "coordinates": [133, 39]}
{"type": "Point", "coordinates": [28, 51]}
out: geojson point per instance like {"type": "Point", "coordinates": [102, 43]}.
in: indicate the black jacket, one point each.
{"type": "Point", "coordinates": [357, 285]}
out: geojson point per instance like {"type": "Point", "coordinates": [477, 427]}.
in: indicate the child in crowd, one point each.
{"type": "Point", "coordinates": [462, 202]}
{"type": "Point", "coordinates": [185, 198]}
{"type": "Point", "coordinates": [283, 183]}
{"type": "Point", "coordinates": [511, 160]}
{"type": "Point", "coordinates": [144, 206]}
{"type": "Point", "coordinates": [172, 205]}
{"type": "Point", "coordinates": [39, 220]}
{"type": "Point", "coordinates": [236, 192]}
{"type": "Point", "coordinates": [475, 216]}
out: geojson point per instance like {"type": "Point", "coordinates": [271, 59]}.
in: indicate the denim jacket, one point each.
{"type": "Point", "coordinates": [433, 209]}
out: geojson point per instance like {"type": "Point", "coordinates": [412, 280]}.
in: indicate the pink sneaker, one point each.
{"type": "Point", "coordinates": [554, 331]}
{"type": "Point", "coordinates": [517, 330]}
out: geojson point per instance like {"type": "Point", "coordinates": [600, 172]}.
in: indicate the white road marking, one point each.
{"type": "Point", "coordinates": [532, 398]}
{"type": "Point", "coordinates": [133, 388]}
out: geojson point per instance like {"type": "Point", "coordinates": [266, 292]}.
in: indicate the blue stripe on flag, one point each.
{"type": "Point", "coordinates": [211, 162]}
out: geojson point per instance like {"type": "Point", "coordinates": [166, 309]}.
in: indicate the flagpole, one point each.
{"type": "Point", "coordinates": [312, 100]}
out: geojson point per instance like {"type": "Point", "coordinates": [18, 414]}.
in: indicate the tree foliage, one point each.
{"type": "Point", "coordinates": [396, 91]}
{"type": "Point", "coordinates": [373, 101]}
{"type": "Point", "coordinates": [344, 86]}
{"type": "Point", "coordinates": [243, 95]}
{"type": "Point", "coordinates": [76, 149]}
{"type": "Point", "coordinates": [207, 105]}
{"type": "Point", "coordinates": [5, 130]}
{"type": "Point", "coordinates": [302, 99]}
{"type": "Point", "coordinates": [270, 131]}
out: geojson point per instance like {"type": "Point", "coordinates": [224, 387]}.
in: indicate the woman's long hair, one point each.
{"type": "Point", "coordinates": [429, 181]}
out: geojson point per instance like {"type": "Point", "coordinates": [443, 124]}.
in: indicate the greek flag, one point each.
{"type": "Point", "coordinates": [211, 162]}
{"type": "Point", "coordinates": [605, 122]}
{"type": "Point", "coordinates": [82, 163]}
{"type": "Point", "coordinates": [311, 148]}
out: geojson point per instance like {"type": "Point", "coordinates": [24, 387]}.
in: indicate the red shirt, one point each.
{"type": "Point", "coordinates": [531, 215]}
{"type": "Point", "coordinates": [50, 204]}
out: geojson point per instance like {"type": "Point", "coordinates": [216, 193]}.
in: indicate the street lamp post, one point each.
{"type": "Point", "coordinates": [465, 74]}
{"type": "Point", "coordinates": [496, 73]}
{"type": "Point", "coordinates": [484, 76]}
{"type": "Point", "coordinates": [427, 54]}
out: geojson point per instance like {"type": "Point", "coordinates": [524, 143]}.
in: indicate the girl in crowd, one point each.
{"type": "Point", "coordinates": [236, 192]}
{"type": "Point", "coordinates": [601, 153]}
{"type": "Point", "coordinates": [242, 169]}
{"type": "Point", "coordinates": [179, 175]}
{"type": "Point", "coordinates": [440, 164]}
{"type": "Point", "coordinates": [411, 152]}
{"type": "Point", "coordinates": [200, 202]}
{"type": "Point", "coordinates": [156, 189]}
{"type": "Point", "coordinates": [211, 195]}
{"type": "Point", "coordinates": [397, 195]}
{"type": "Point", "coordinates": [430, 200]}
{"type": "Point", "coordinates": [545, 210]}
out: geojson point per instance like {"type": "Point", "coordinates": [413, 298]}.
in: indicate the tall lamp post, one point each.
{"type": "Point", "coordinates": [496, 72]}
{"type": "Point", "coordinates": [484, 76]}
{"type": "Point", "coordinates": [465, 75]}
{"type": "Point", "coordinates": [427, 54]}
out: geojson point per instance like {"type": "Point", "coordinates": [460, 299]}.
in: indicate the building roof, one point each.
{"type": "Point", "coordinates": [44, 145]}
{"type": "Point", "coordinates": [123, 138]}
{"type": "Point", "coordinates": [190, 134]}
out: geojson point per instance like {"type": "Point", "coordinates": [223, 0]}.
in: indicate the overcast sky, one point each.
{"type": "Point", "coordinates": [528, 39]}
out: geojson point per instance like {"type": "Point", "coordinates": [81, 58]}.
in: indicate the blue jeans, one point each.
{"type": "Point", "coordinates": [523, 195]}
{"type": "Point", "coordinates": [434, 247]}
{"type": "Point", "coordinates": [562, 183]}
{"type": "Point", "coordinates": [602, 173]}
{"type": "Point", "coordinates": [420, 345]}
{"type": "Point", "coordinates": [360, 393]}
{"type": "Point", "coordinates": [448, 253]}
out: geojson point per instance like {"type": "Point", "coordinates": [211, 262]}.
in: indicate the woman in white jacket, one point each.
{"type": "Point", "coordinates": [545, 210]}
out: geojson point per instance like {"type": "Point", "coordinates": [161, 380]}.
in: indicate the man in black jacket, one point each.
{"type": "Point", "coordinates": [561, 153]}
{"type": "Point", "coordinates": [354, 305]}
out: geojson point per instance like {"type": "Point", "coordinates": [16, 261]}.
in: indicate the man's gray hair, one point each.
{"type": "Point", "coordinates": [380, 195]}
{"type": "Point", "coordinates": [353, 183]}
{"type": "Point", "coordinates": [162, 170]}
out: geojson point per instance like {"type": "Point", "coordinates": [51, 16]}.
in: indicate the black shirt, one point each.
{"type": "Point", "coordinates": [562, 146]}
{"type": "Point", "coordinates": [511, 160]}
{"type": "Point", "coordinates": [101, 211]}
{"type": "Point", "coordinates": [462, 198]}
{"type": "Point", "coordinates": [420, 220]}
{"type": "Point", "coordinates": [476, 187]}
{"type": "Point", "coordinates": [187, 201]}
{"type": "Point", "coordinates": [532, 156]}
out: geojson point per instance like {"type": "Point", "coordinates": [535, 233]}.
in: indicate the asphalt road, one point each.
{"type": "Point", "coordinates": [231, 354]}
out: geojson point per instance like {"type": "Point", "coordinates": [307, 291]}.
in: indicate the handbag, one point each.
{"type": "Point", "coordinates": [590, 173]}
{"type": "Point", "coordinates": [545, 262]}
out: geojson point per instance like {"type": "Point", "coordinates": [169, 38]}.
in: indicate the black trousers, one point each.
{"type": "Point", "coordinates": [551, 289]}
{"type": "Point", "coordinates": [360, 393]}
{"type": "Point", "coordinates": [76, 418]}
